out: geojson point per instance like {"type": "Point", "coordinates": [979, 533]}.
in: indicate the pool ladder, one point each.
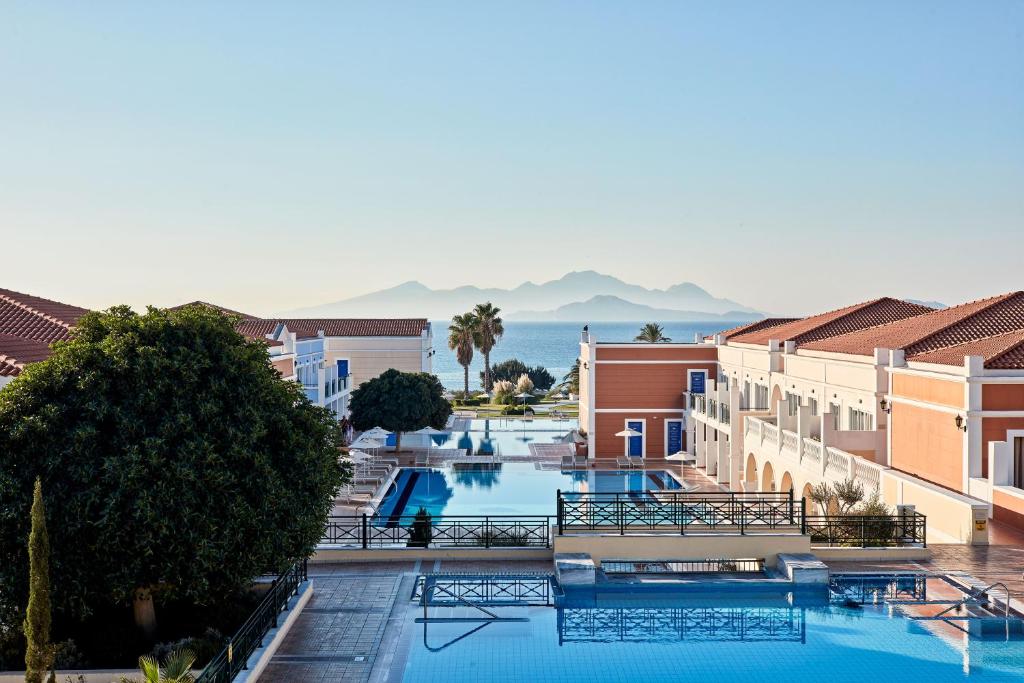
{"type": "Point", "coordinates": [985, 623]}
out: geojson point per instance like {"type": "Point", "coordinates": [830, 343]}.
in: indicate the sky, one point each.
{"type": "Point", "coordinates": [792, 156]}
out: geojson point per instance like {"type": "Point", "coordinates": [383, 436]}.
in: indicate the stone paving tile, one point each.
{"type": "Point", "coordinates": [338, 634]}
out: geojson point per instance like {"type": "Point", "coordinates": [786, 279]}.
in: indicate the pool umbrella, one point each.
{"type": "Point", "coordinates": [682, 457]}
{"type": "Point", "coordinates": [628, 433]}
{"type": "Point", "coordinates": [365, 441]}
{"type": "Point", "coordinates": [377, 433]}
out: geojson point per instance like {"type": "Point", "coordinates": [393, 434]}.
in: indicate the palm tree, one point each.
{"type": "Point", "coordinates": [571, 381]}
{"type": "Point", "coordinates": [462, 337]}
{"type": "Point", "coordinates": [652, 333]}
{"type": "Point", "coordinates": [489, 330]}
{"type": "Point", "coordinates": [177, 668]}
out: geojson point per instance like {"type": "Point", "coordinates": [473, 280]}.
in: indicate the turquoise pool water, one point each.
{"type": "Point", "coordinates": [516, 488]}
{"type": "Point", "coordinates": [497, 436]}
{"type": "Point", "coordinates": [734, 637]}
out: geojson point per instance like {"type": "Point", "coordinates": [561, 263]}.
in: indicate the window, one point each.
{"type": "Point", "coordinates": [792, 404]}
{"type": "Point", "coordinates": [837, 417]}
{"type": "Point", "coordinates": [723, 381]}
{"type": "Point", "coordinates": [861, 421]}
{"type": "Point", "coordinates": [812, 403]}
{"type": "Point", "coordinates": [760, 397]}
{"type": "Point", "coordinates": [746, 394]}
{"type": "Point", "coordinates": [1018, 462]}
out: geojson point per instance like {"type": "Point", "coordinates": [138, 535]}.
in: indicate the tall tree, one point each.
{"type": "Point", "coordinates": [489, 331]}
{"type": "Point", "coordinates": [571, 381]}
{"type": "Point", "coordinates": [176, 449]}
{"type": "Point", "coordinates": [651, 333]}
{"type": "Point", "coordinates": [38, 651]}
{"type": "Point", "coordinates": [513, 368]}
{"type": "Point", "coordinates": [463, 334]}
{"type": "Point", "coordinates": [400, 402]}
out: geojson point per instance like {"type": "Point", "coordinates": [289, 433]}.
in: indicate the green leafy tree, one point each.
{"type": "Point", "coordinates": [400, 402]}
{"type": "Point", "coordinates": [489, 331]}
{"type": "Point", "coordinates": [184, 465]}
{"type": "Point", "coordinates": [38, 652]}
{"type": "Point", "coordinates": [462, 338]}
{"type": "Point", "coordinates": [652, 333]}
{"type": "Point", "coordinates": [512, 369]}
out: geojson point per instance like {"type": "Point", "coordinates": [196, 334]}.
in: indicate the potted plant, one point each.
{"type": "Point", "coordinates": [422, 530]}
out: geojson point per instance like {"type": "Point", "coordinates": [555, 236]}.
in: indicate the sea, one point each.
{"type": "Point", "coordinates": [555, 345]}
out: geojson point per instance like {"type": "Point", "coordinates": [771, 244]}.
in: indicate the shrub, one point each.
{"type": "Point", "coordinates": [502, 391]}
{"type": "Point", "coordinates": [524, 385]}
{"type": "Point", "coordinates": [422, 530]}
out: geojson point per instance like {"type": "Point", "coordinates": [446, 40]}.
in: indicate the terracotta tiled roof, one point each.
{"type": "Point", "coordinates": [32, 317]}
{"type": "Point", "coordinates": [755, 326]}
{"type": "Point", "coordinates": [28, 325]}
{"type": "Point", "coordinates": [359, 327]}
{"type": "Point", "coordinates": [935, 330]}
{"type": "Point", "coordinates": [213, 306]}
{"type": "Point", "coordinates": [1003, 351]}
{"type": "Point", "coordinates": [306, 328]}
{"type": "Point", "coordinates": [833, 323]}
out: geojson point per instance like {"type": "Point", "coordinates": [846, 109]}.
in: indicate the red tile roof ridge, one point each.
{"type": "Point", "coordinates": [816, 327]}
{"type": "Point", "coordinates": [906, 332]}
{"type": "Point", "coordinates": [19, 299]}
{"type": "Point", "coordinates": [753, 326]}
{"type": "Point", "coordinates": [994, 349]}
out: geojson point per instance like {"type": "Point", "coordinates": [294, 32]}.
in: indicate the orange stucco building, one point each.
{"type": "Point", "coordinates": [923, 407]}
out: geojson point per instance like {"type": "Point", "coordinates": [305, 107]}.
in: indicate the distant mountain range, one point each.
{"type": "Point", "coordinates": [577, 296]}
{"type": "Point", "coordinates": [606, 308]}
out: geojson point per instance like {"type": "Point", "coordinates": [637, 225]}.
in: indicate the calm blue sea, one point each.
{"type": "Point", "coordinates": [554, 345]}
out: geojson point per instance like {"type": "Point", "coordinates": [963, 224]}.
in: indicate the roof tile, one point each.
{"type": "Point", "coordinates": [833, 323]}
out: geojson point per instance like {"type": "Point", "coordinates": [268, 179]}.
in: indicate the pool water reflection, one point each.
{"type": "Point", "coordinates": [506, 488]}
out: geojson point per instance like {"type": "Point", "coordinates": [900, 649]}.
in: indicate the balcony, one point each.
{"type": "Point", "coordinates": [788, 449]}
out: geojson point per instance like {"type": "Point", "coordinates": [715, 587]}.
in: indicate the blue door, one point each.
{"type": "Point", "coordinates": [636, 443]}
{"type": "Point", "coordinates": [675, 436]}
{"type": "Point", "coordinates": [697, 382]}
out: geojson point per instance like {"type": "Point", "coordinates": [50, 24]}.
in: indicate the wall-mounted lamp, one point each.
{"type": "Point", "coordinates": [885, 405]}
{"type": "Point", "coordinates": [960, 423]}
{"type": "Point", "coordinates": [585, 366]}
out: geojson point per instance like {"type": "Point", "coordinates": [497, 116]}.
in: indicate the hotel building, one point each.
{"type": "Point", "coordinates": [923, 407]}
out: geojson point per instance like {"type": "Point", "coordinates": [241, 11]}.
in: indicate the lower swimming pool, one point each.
{"type": "Point", "coordinates": [506, 488]}
{"type": "Point", "coordinates": [661, 635]}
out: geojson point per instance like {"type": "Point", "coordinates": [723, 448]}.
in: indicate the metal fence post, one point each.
{"type": "Point", "coordinates": [863, 532]}
{"type": "Point", "coordinates": [364, 533]}
{"type": "Point", "coordinates": [791, 505]}
{"type": "Point", "coordinates": [803, 516]}
{"type": "Point", "coordinates": [558, 509]}
{"type": "Point", "coordinates": [487, 532]}
{"type": "Point", "coordinates": [622, 513]}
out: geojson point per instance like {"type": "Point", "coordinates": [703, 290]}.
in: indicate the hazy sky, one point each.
{"type": "Point", "coordinates": [790, 156]}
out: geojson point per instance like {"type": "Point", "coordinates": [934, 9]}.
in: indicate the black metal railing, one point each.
{"type": "Point", "coordinates": [873, 589]}
{"type": "Point", "coordinates": [440, 531]}
{"type": "Point", "coordinates": [673, 624]}
{"type": "Point", "coordinates": [484, 590]}
{"type": "Point", "coordinates": [708, 566]}
{"type": "Point", "coordinates": [678, 512]}
{"type": "Point", "coordinates": [232, 659]}
{"type": "Point", "coordinates": [867, 531]}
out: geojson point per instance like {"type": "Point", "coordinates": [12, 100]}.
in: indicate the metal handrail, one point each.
{"type": "Point", "coordinates": [977, 595]}
{"type": "Point", "coordinates": [373, 531]}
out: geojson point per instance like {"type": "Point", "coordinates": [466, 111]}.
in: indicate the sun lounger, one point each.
{"type": "Point", "coordinates": [624, 462]}
{"type": "Point", "coordinates": [422, 458]}
{"type": "Point", "coordinates": [568, 462]}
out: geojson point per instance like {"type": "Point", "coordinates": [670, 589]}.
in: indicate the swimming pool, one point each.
{"type": "Point", "coordinates": [512, 488]}
{"type": "Point", "coordinates": [503, 436]}
{"type": "Point", "coordinates": [661, 635]}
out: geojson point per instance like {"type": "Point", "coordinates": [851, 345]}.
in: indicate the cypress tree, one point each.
{"type": "Point", "coordinates": [38, 653]}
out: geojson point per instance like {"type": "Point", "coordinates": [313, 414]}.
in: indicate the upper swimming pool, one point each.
{"type": "Point", "coordinates": [735, 636]}
{"type": "Point", "coordinates": [512, 488]}
{"type": "Point", "coordinates": [500, 436]}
